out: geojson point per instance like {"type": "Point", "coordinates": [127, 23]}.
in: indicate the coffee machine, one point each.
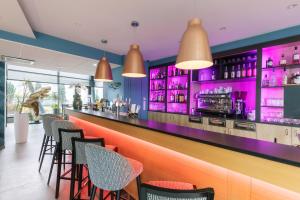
{"type": "Point", "coordinates": [240, 105]}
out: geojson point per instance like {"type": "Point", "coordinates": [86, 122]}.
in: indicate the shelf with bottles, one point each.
{"type": "Point", "coordinates": [158, 73]}
{"type": "Point", "coordinates": [153, 101]}
{"type": "Point", "coordinates": [175, 72]}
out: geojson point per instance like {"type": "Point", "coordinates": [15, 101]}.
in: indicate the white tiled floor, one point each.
{"type": "Point", "coordinates": [19, 176]}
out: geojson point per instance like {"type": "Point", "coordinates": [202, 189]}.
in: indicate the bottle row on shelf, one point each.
{"type": "Point", "coordinates": [275, 81]}
{"type": "Point", "coordinates": [156, 86]}
{"type": "Point", "coordinates": [159, 98]}
{"type": "Point", "coordinates": [235, 60]}
{"type": "Point", "coordinates": [176, 85]}
{"type": "Point", "coordinates": [245, 70]}
{"type": "Point", "coordinates": [172, 72]}
{"type": "Point", "coordinates": [178, 97]}
{"type": "Point", "coordinates": [283, 61]}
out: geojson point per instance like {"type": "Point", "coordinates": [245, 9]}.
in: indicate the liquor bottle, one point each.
{"type": "Point", "coordinates": [226, 73]}
{"type": "Point", "coordinates": [172, 97]}
{"type": "Point", "coordinates": [244, 72]}
{"type": "Point", "coordinates": [265, 82]}
{"type": "Point", "coordinates": [254, 69]}
{"type": "Point", "coordinates": [285, 78]}
{"type": "Point", "coordinates": [273, 80]}
{"type": "Point", "coordinates": [282, 61]}
{"type": "Point", "coordinates": [213, 75]}
{"type": "Point", "coordinates": [232, 72]}
{"type": "Point", "coordinates": [269, 62]}
{"type": "Point", "coordinates": [238, 72]}
{"type": "Point", "coordinates": [296, 56]}
{"type": "Point", "coordinates": [249, 70]}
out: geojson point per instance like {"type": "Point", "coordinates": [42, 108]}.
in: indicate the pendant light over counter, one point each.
{"type": "Point", "coordinates": [194, 51]}
{"type": "Point", "coordinates": [103, 71]}
{"type": "Point", "coordinates": [134, 62]}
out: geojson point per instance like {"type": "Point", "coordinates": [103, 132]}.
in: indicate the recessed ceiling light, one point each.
{"type": "Point", "coordinates": [223, 28]}
{"type": "Point", "coordinates": [291, 6]}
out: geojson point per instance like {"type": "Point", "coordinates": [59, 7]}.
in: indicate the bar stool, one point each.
{"type": "Point", "coordinates": [55, 125]}
{"type": "Point", "coordinates": [79, 162]}
{"type": "Point", "coordinates": [64, 143]}
{"type": "Point", "coordinates": [110, 171]}
{"type": "Point", "coordinates": [48, 137]}
{"type": "Point", "coordinates": [154, 192]}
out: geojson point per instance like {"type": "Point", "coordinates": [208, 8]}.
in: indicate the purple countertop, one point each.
{"type": "Point", "coordinates": [268, 150]}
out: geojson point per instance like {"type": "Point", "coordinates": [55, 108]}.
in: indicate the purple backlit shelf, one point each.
{"type": "Point", "coordinates": [277, 73]}
{"type": "Point", "coordinates": [157, 89]}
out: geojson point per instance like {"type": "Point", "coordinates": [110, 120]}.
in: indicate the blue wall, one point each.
{"type": "Point", "coordinates": [2, 103]}
{"type": "Point", "coordinates": [110, 93]}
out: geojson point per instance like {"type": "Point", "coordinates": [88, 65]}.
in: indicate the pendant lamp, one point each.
{"type": "Point", "coordinates": [194, 51]}
{"type": "Point", "coordinates": [103, 71]}
{"type": "Point", "coordinates": [134, 63]}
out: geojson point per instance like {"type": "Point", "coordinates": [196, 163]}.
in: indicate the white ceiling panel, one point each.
{"type": "Point", "coordinates": [48, 59]}
{"type": "Point", "coordinates": [12, 19]}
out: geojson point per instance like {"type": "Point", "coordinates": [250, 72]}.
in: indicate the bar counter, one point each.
{"type": "Point", "coordinates": [237, 168]}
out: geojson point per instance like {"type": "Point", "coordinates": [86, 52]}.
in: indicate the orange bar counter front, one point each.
{"type": "Point", "coordinates": [237, 168]}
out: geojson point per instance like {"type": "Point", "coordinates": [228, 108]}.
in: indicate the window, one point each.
{"type": "Point", "coordinates": [62, 86]}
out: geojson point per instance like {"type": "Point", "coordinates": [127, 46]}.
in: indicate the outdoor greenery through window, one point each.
{"type": "Point", "coordinates": [62, 88]}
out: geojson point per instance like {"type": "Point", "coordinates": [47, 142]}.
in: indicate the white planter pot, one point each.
{"type": "Point", "coordinates": [21, 123]}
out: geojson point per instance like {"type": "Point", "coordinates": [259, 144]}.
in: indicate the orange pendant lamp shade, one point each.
{"type": "Point", "coordinates": [194, 50]}
{"type": "Point", "coordinates": [134, 63]}
{"type": "Point", "coordinates": [103, 72]}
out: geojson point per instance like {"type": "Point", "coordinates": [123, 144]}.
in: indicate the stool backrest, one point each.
{"type": "Point", "coordinates": [47, 120]}
{"type": "Point", "coordinates": [150, 192]}
{"type": "Point", "coordinates": [63, 124]}
{"type": "Point", "coordinates": [65, 136]}
{"type": "Point", "coordinates": [78, 148]}
{"type": "Point", "coordinates": [108, 170]}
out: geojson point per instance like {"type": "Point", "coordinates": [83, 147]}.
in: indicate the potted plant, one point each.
{"type": "Point", "coordinates": [55, 109]}
{"type": "Point", "coordinates": [21, 120]}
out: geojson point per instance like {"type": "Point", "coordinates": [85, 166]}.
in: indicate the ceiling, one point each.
{"type": "Point", "coordinates": [48, 59]}
{"type": "Point", "coordinates": [161, 24]}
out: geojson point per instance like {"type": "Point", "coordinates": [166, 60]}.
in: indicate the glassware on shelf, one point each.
{"type": "Point", "coordinates": [226, 73]}
{"type": "Point", "coordinates": [296, 56]}
{"type": "Point", "coordinates": [238, 72]}
{"type": "Point", "coordinates": [273, 80]}
{"type": "Point", "coordinates": [249, 70]}
{"type": "Point", "coordinates": [232, 72]}
{"type": "Point", "coordinates": [254, 69]}
{"type": "Point", "coordinates": [244, 71]}
{"type": "Point", "coordinates": [265, 81]}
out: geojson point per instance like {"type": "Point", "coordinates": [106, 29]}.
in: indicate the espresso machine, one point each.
{"type": "Point", "coordinates": [240, 105]}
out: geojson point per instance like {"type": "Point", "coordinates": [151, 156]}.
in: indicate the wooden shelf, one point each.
{"type": "Point", "coordinates": [272, 106]}
{"type": "Point", "coordinates": [228, 80]}
{"type": "Point", "coordinates": [282, 67]}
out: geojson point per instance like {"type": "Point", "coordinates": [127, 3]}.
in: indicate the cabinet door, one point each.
{"type": "Point", "coordinates": [216, 129]}
{"type": "Point", "coordinates": [267, 132]}
{"type": "Point", "coordinates": [295, 137]}
{"type": "Point", "coordinates": [242, 133]}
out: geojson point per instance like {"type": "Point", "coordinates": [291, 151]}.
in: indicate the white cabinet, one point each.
{"type": "Point", "coordinates": [295, 137]}
{"type": "Point", "coordinates": [242, 133]}
{"type": "Point", "coordinates": [268, 132]}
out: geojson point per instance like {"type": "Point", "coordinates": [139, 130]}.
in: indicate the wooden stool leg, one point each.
{"type": "Point", "coordinates": [72, 185]}
{"type": "Point", "coordinates": [59, 158]}
{"type": "Point", "coordinates": [93, 193]}
{"type": "Point", "coordinates": [42, 147]}
{"type": "Point", "coordinates": [44, 152]}
{"type": "Point", "coordinates": [52, 164]}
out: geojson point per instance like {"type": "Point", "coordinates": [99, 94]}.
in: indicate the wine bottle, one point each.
{"type": "Point", "coordinates": [213, 75]}
{"type": "Point", "coordinates": [226, 73]}
{"type": "Point", "coordinates": [254, 69]}
{"type": "Point", "coordinates": [296, 56]}
{"type": "Point", "coordinates": [269, 62]}
{"type": "Point", "coordinates": [232, 72]}
{"type": "Point", "coordinates": [244, 73]}
{"type": "Point", "coordinates": [238, 72]}
{"type": "Point", "coordinates": [249, 70]}
{"type": "Point", "coordinates": [282, 61]}
{"type": "Point", "coordinates": [285, 78]}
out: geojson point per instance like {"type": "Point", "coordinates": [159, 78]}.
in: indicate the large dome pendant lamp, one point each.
{"type": "Point", "coordinates": [103, 71]}
{"type": "Point", "coordinates": [194, 51]}
{"type": "Point", "coordinates": [134, 62]}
